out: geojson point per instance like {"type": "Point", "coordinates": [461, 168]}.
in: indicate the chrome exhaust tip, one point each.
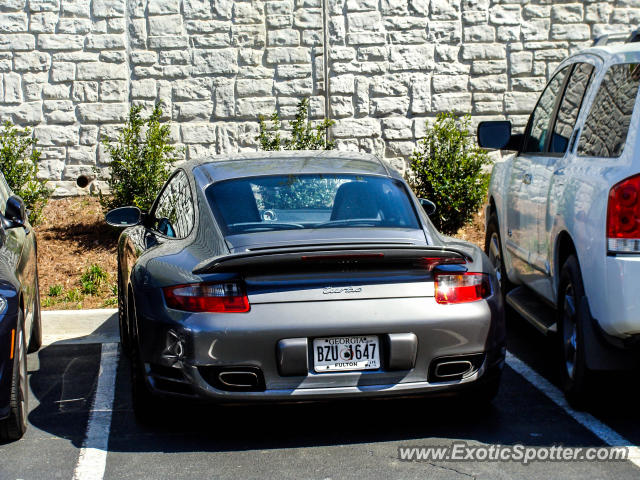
{"type": "Point", "coordinates": [235, 379]}
{"type": "Point", "coordinates": [455, 367]}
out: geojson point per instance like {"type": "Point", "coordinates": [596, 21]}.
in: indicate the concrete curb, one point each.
{"type": "Point", "coordinates": [80, 326]}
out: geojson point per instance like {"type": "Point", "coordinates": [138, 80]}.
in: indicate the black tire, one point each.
{"type": "Point", "coordinates": [15, 425]}
{"type": "Point", "coordinates": [125, 338]}
{"type": "Point", "coordinates": [484, 393]}
{"type": "Point", "coordinates": [494, 250]}
{"type": "Point", "coordinates": [476, 397]}
{"type": "Point", "coordinates": [575, 377]}
{"type": "Point", "coordinates": [146, 406]}
{"type": "Point", "coordinates": [35, 340]}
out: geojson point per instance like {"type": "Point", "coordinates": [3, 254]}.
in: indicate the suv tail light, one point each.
{"type": "Point", "coordinates": [461, 287]}
{"type": "Point", "coordinates": [623, 217]}
{"type": "Point", "coordinates": [207, 297]}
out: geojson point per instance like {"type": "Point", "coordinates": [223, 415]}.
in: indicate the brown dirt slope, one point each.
{"type": "Point", "coordinates": [474, 231]}
{"type": "Point", "coordinates": [73, 237]}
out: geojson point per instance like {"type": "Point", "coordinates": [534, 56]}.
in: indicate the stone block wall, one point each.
{"type": "Point", "coordinates": [70, 69]}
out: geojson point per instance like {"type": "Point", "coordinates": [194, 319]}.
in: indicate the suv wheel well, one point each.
{"type": "Point", "coordinates": [564, 248]}
{"type": "Point", "coordinates": [492, 206]}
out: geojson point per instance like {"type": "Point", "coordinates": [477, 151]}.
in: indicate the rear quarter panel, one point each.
{"type": "Point", "coordinates": [577, 205]}
{"type": "Point", "coordinates": [498, 187]}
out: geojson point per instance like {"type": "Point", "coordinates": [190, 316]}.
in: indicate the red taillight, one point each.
{"type": "Point", "coordinates": [461, 287]}
{"type": "Point", "coordinates": [207, 297]}
{"type": "Point", "coordinates": [623, 216]}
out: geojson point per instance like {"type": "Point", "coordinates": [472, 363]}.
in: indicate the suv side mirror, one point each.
{"type": "Point", "coordinates": [428, 206]}
{"type": "Point", "coordinates": [497, 135]}
{"type": "Point", "coordinates": [124, 217]}
{"type": "Point", "coordinates": [494, 134]}
{"type": "Point", "coordinates": [15, 214]}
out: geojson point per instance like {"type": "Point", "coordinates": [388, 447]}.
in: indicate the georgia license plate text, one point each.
{"type": "Point", "coordinates": [346, 353]}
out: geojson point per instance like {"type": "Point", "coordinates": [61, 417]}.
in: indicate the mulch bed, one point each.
{"type": "Point", "coordinates": [474, 232]}
{"type": "Point", "coordinates": [74, 236]}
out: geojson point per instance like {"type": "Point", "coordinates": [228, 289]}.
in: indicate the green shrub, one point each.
{"type": "Point", "coordinates": [19, 164]}
{"type": "Point", "coordinates": [447, 169]}
{"type": "Point", "coordinates": [73, 296]}
{"type": "Point", "coordinates": [48, 302]}
{"type": "Point", "coordinates": [89, 288]}
{"type": "Point", "coordinates": [109, 302]}
{"type": "Point", "coordinates": [92, 279]}
{"type": "Point", "coordinates": [304, 136]}
{"type": "Point", "coordinates": [140, 162]}
{"type": "Point", "coordinates": [55, 290]}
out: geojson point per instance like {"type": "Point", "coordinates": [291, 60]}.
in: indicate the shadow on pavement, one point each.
{"type": "Point", "coordinates": [616, 396]}
{"type": "Point", "coordinates": [63, 385]}
{"type": "Point", "coordinates": [520, 414]}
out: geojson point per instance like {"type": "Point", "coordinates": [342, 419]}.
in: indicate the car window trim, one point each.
{"type": "Point", "coordinates": [154, 206]}
{"type": "Point", "coordinates": [527, 131]}
{"type": "Point", "coordinates": [554, 113]}
{"type": "Point", "coordinates": [555, 116]}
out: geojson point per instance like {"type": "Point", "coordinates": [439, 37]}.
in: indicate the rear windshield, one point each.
{"type": "Point", "coordinates": [287, 202]}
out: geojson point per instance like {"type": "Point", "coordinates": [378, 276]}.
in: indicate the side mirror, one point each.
{"type": "Point", "coordinates": [428, 206]}
{"type": "Point", "coordinates": [15, 215]}
{"type": "Point", "coordinates": [494, 134]}
{"type": "Point", "coordinates": [124, 217]}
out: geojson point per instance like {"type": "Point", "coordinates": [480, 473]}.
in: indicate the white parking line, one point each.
{"type": "Point", "coordinates": [595, 426]}
{"type": "Point", "coordinates": [93, 455]}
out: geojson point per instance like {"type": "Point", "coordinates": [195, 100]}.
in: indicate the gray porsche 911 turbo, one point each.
{"type": "Point", "coordinates": [294, 276]}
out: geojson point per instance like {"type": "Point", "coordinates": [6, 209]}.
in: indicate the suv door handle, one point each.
{"type": "Point", "coordinates": [526, 179]}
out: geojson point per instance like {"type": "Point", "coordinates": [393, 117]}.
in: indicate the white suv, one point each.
{"type": "Point", "coordinates": [563, 220]}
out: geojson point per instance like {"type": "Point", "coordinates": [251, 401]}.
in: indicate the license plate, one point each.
{"type": "Point", "coordinates": [346, 353]}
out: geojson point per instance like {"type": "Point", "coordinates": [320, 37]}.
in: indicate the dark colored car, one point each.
{"type": "Point", "coordinates": [20, 325]}
{"type": "Point", "coordinates": [296, 276]}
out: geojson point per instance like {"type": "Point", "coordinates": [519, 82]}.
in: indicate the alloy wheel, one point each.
{"type": "Point", "coordinates": [495, 256]}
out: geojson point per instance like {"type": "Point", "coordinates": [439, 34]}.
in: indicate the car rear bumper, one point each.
{"type": "Point", "coordinates": [205, 390]}
{"type": "Point", "coordinates": [619, 314]}
{"type": "Point", "coordinates": [183, 353]}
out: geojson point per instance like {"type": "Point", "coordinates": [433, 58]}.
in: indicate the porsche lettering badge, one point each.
{"type": "Point", "coordinates": [335, 290]}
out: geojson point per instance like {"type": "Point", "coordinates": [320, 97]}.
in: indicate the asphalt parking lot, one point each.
{"type": "Point", "coordinates": [83, 427]}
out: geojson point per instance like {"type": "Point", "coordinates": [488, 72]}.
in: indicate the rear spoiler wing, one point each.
{"type": "Point", "coordinates": [345, 256]}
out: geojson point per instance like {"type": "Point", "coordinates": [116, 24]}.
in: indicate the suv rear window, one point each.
{"type": "Point", "coordinates": [606, 128]}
